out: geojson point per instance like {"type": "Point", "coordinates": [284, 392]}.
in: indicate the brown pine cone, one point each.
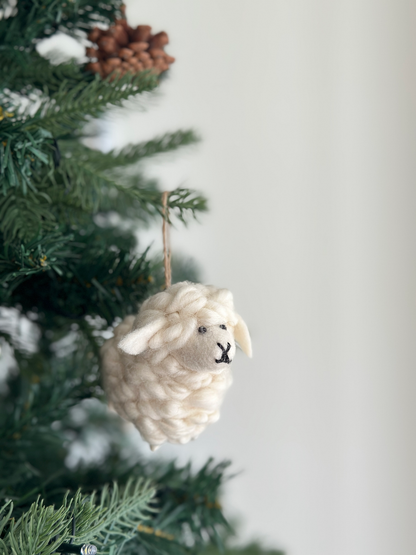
{"type": "Point", "coordinates": [119, 33]}
{"type": "Point", "coordinates": [142, 56]}
{"type": "Point", "coordinates": [108, 45]}
{"type": "Point", "coordinates": [160, 40]}
{"type": "Point", "coordinates": [135, 65]}
{"type": "Point", "coordinates": [125, 53]}
{"type": "Point", "coordinates": [160, 65]}
{"type": "Point", "coordinates": [122, 22]}
{"type": "Point", "coordinates": [148, 64]}
{"type": "Point", "coordinates": [91, 52]}
{"type": "Point", "coordinates": [113, 62]}
{"type": "Point", "coordinates": [142, 33]}
{"type": "Point", "coordinates": [94, 67]}
{"type": "Point", "coordinates": [95, 34]}
{"type": "Point", "coordinates": [122, 49]}
{"type": "Point", "coordinates": [156, 53]}
{"type": "Point", "coordinates": [139, 46]}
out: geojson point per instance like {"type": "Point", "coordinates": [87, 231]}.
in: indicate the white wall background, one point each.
{"type": "Point", "coordinates": [307, 111]}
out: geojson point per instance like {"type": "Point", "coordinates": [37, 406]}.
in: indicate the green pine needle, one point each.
{"type": "Point", "coordinates": [35, 19]}
{"type": "Point", "coordinates": [27, 71]}
{"type": "Point", "coordinates": [132, 154]}
{"type": "Point", "coordinates": [25, 216]}
{"type": "Point", "coordinates": [109, 521]}
{"type": "Point", "coordinates": [23, 155]}
{"type": "Point", "coordinates": [68, 108]}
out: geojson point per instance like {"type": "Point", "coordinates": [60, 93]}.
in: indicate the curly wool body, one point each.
{"type": "Point", "coordinates": [167, 369]}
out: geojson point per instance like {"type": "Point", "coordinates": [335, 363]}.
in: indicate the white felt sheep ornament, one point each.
{"type": "Point", "coordinates": [167, 369]}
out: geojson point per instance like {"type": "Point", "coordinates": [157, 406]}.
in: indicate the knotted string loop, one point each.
{"type": "Point", "coordinates": [166, 241]}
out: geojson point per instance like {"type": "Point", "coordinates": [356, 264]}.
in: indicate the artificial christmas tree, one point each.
{"type": "Point", "coordinates": [67, 273]}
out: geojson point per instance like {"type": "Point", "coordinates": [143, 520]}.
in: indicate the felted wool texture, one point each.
{"type": "Point", "coordinates": [167, 369]}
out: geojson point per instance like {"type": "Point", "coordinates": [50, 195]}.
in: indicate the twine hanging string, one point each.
{"type": "Point", "coordinates": [166, 240]}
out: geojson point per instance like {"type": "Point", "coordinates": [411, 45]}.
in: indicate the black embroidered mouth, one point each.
{"type": "Point", "coordinates": [224, 357]}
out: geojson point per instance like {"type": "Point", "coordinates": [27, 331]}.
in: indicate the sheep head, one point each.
{"type": "Point", "coordinates": [194, 323]}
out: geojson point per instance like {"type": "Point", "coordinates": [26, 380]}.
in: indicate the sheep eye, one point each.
{"type": "Point", "coordinates": [223, 327]}
{"type": "Point", "coordinates": [202, 329]}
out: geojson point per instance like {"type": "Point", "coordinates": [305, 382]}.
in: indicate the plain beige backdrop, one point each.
{"type": "Point", "coordinates": [307, 110]}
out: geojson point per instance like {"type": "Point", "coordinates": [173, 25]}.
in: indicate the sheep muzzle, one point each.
{"type": "Point", "coordinates": [224, 356]}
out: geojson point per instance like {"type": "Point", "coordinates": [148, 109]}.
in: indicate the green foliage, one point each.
{"type": "Point", "coordinates": [109, 521]}
{"type": "Point", "coordinates": [177, 503]}
{"type": "Point", "coordinates": [252, 548]}
{"type": "Point", "coordinates": [25, 216]}
{"type": "Point", "coordinates": [184, 201]}
{"type": "Point", "coordinates": [23, 155]}
{"type": "Point", "coordinates": [97, 181]}
{"type": "Point", "coordinates": [77, 271]}
{"type": "Point", "coordinates": [20, 260]}
{"type": "Point", "coordinates": [46, 181]}
{"type": "Point", "coordinates": [70, 269]}
{"type": "Point", "coordinates": [45, 389]}
{"type": "Point", "coordinates": [101, 277]}
{"type": "Point", "coordinates": [28, 140]}
{"type": "Point", "coordinates": [26, 72]}
{"type": "Point", "coordinates": [69, 107]}
{"type": "Point", "coordinates": [132, 154]}
{"type": "Point", "coordinates": [36, 19]}
{"type": "Point", "coordinates": [79, 191]}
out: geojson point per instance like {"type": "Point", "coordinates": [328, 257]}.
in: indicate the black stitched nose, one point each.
{"type": "Point", "coordinates": [224, 356]}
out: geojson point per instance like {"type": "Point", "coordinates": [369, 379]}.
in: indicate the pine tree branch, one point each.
{"type": "Point", "coordinates": [25, 216]}
{"type": "Point", "coordinates": [47, 403]}
{"type": "Point", "coordinates": [192, 499]}
{"type": "Point", "coordinates": [32, 532]}
{"type": "Point", "coordinates": [112, 519]}
{"type": "Point", "coordinates": [19, 260]}
{"type": "Point", "coordinates": [125, 508]}
{"type": "Point", "coordinates": [131, 154]}
{"type": "Point", "coordinates": [92, 189]}
{"type": "Point", "coordinates": [183, 202]}
{"type": "Point", "coordinates": [23, 155]}
{"type": "Point", "coordinates": [98, 275]}
{"type": "Point", "coordinates": [47, 388]}
{"type": "Point", "coordinates": [154, 542]}
{"type": "Point", "coordinates": [252, 548]}
{"type": "Point", "coordinates": [27, 71]}
{"type": "Point", "coordinates": [70, 107]}
{"type": "Point", "coordinates": [34, 20]}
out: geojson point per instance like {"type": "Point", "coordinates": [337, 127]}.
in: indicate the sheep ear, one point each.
{"type": "Point", "coordinates": [137, 340]}
{"type": "Point", "coordinates": [242, 336]}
